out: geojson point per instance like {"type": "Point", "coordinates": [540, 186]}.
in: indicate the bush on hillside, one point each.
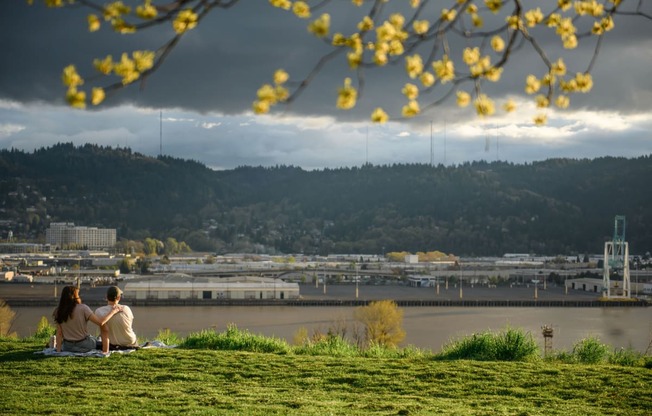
{"type": "Point", "coordinates": [234, 339]}
{"type": "Point", "coordinates": [509, 345]}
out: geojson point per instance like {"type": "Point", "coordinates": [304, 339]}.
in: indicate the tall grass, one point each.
{"type": "Point", "coordinates": [235, 339]}
{"type": "Point", "coordinates": [508, 345]}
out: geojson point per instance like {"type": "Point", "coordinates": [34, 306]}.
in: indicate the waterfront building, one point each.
{"type": "Point", "coordinates": [66, 235]}
{"type": "Point", "coordinates": [180, 286]}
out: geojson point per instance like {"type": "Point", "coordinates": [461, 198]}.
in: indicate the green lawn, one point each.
{"type": "Point", "coordinates": [192, 382]}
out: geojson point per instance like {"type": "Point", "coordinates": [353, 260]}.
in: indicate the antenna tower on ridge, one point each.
{"type": "Point", "coordinates": [160, 134]}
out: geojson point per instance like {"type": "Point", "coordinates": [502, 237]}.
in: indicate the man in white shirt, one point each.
{"type": "Point", "coordinates": [121, 333]}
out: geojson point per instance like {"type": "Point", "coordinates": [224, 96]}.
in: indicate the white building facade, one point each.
{"type": "Point", "coordinates": [66, 234]}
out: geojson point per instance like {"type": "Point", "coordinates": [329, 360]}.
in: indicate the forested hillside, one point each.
{"type": "Point", "coordinates": [550, 207]}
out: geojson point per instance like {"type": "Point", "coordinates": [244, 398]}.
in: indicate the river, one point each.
{"type": "Point", "coordinates": [426, 327]}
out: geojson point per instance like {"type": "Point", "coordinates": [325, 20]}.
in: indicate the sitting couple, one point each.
{"type": "Point", "coordinates": [72, 316]}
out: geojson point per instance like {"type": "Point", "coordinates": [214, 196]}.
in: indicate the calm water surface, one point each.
{"type": "Point", "coordinates": [426, 327]}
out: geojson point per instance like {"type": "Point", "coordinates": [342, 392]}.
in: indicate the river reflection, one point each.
{"type": "Point", "coordinates": [426, 327]}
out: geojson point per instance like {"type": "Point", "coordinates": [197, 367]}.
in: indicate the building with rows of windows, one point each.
{"type": "Point", "coordinates": [66, 235]}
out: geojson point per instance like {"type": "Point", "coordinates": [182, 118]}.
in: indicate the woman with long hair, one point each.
{"type": "Point", "coordinates": [72, 316]}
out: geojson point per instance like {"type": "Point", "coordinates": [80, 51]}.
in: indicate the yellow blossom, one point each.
{"type": "Point", "coordinates": [146, 11]}
{"type": "Point", "coordinates": [126, 68]}
{"type": "Point", "coordinates": [281, 4]}
{"type": "Point", "coordinates": [471, 55]}
{"type": "Point", "coordinates": [93, 23]}
{"type": "Point", "coordinates": [558, 68]}
{"type": "Point", "coordinates": [413, 65]}
{"type": "Point", "coordinates": [497, 43]}
{"type": "Point", "coordinates": [76, 99]}
{"type": "Point", "coordinates": [493, 5]}
{"type": "Point", "coordinates": [570, 41]}
{"type": "Point", "coordinates": [410, 91]}
{"type": "Point", "coordinates": [357, 2]}
{"type": "Point", "coordinates": [379, 116]}
{"type": "Point", "coordinates": [301, 9]}
{"type": "Point", "coordinates": [347, 95]}
{"type": "Point", "coordinates": [607, 23]}
{"type": "Point", "coordinates": [120, 26]}
{"type": "Point", "coordinates": [282, 93]}
{"type": "Point", "coordinates": [540, 119]}
{"type": "Point", "coordinates": [185, 20]}
{"type": "Point", "coordinates": [143, 60]}
{"type": "Point", "coordinates": [532, 84]}
{"type": "Point", "coordinates": [70, 77]}
{"type": "Point", "coordinates": [420, 26]}
{"type": "Point", "coordinates": [397, 20]}
{"type": "Point", "coordinates": [542, 101]}
{"type": "Point", "coordinates": [366, 24]}
{"type": "Point", "coordinates": [484, 106]}
{"type": "Point", "coordinates": [493, 74]}
{"type": "Point", "coordinates": [321, 26]}
{"type": "Point", "coordinates": [415, 3]}
{"type": "Point", "coordinates": [597, 28]}
{"type": "Point", "coordinates": [444, 69]}
{"type": "Point", "coordinates": [427, 79]}
{"type": "Point", "coordinates": [554, 20]}
{"type": "Point", "coordinates": [380, 58]}
{"type": "Point", "coordinates": [562, 101]}
{"type": "Point", "coordinates": [564, 4]}
{"type": "Point", "coordinates": [385, 32]}
{"type": "Point", "coordinates": [105, 66]}
{"type": "Point", "coordinates": [396, 47]}
{"type": "Point", "coordinates": [565, 27]}
{"type": "Point", "coordinates": [472, 9]}
{"type": "Point", "coordinates": [114, 10]}
{"type": "Point", "coordinates": [448, 15]}
{"type": "Point", "coordinates": [509, 106]}
{"type": "Point", "coordinates": [514, 22]}
{"type": "Point", "coordinates": [97, 96]}
{"type": "Point", "coordinates": [54, 3]}
{"type": "Point", "coordinates": [584, 82]}
{"type": "Point", "coordinates": [463, 98]}
{"type": "Point", "coordinates": [411, 109]}
{"type": "Point", "coordinates": [338, 40]}
{"type": "Point", "coordinates": [267, 93]}
{"type": "Point", "coordinates": [260, 107]}
{"type": "Point", "coordinates": [476, 19]}
{"type": "Point", "coordinates": [354, 59]}
{"type": "Point", "coordinates": [280, 77]}
{"type": "Point", "coordinates": [533, 17]}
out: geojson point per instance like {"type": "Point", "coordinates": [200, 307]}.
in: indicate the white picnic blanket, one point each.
{"type": "Point", "coordinates": [99, 354]}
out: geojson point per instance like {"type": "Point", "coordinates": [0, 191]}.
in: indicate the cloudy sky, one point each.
{"type": "Point", "coordinates": [202, 95]}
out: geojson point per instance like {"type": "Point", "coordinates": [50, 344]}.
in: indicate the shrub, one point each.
{"type": "Point", "coordinates": [236, 340]}
{"type": "Point", "coordinates": [382, 321]}
{"type": "Point", "coordinates": [475, 347]}
{"type": "Point", "coordinates": [7, 316]}
{"type": "Point", "coordinates": [626, 357]}
{"type": "Point", "coordinates": [648, 363]}
{"type": "Point", "coordinates": [515, 345]}
{"type": "Point", "coordinates": [590, 351]}
{"type": "Point", "coordinates": [332, 345]}
{"type": "Point", "coordinates": [168, 337]}
{"type": "Point", "coordinates": [43, 330]}
{"type": "Point", "coordinates": [509, 345]}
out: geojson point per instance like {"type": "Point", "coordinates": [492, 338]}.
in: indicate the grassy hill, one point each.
{"type": "Point", "coordinates": [236, 382]}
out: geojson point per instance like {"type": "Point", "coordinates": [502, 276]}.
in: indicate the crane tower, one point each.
{"type": "Point", "coordinates": [616, 263]}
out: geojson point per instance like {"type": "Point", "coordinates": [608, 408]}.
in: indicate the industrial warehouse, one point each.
{"type": "Point", "coordinates": [180, 286]}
